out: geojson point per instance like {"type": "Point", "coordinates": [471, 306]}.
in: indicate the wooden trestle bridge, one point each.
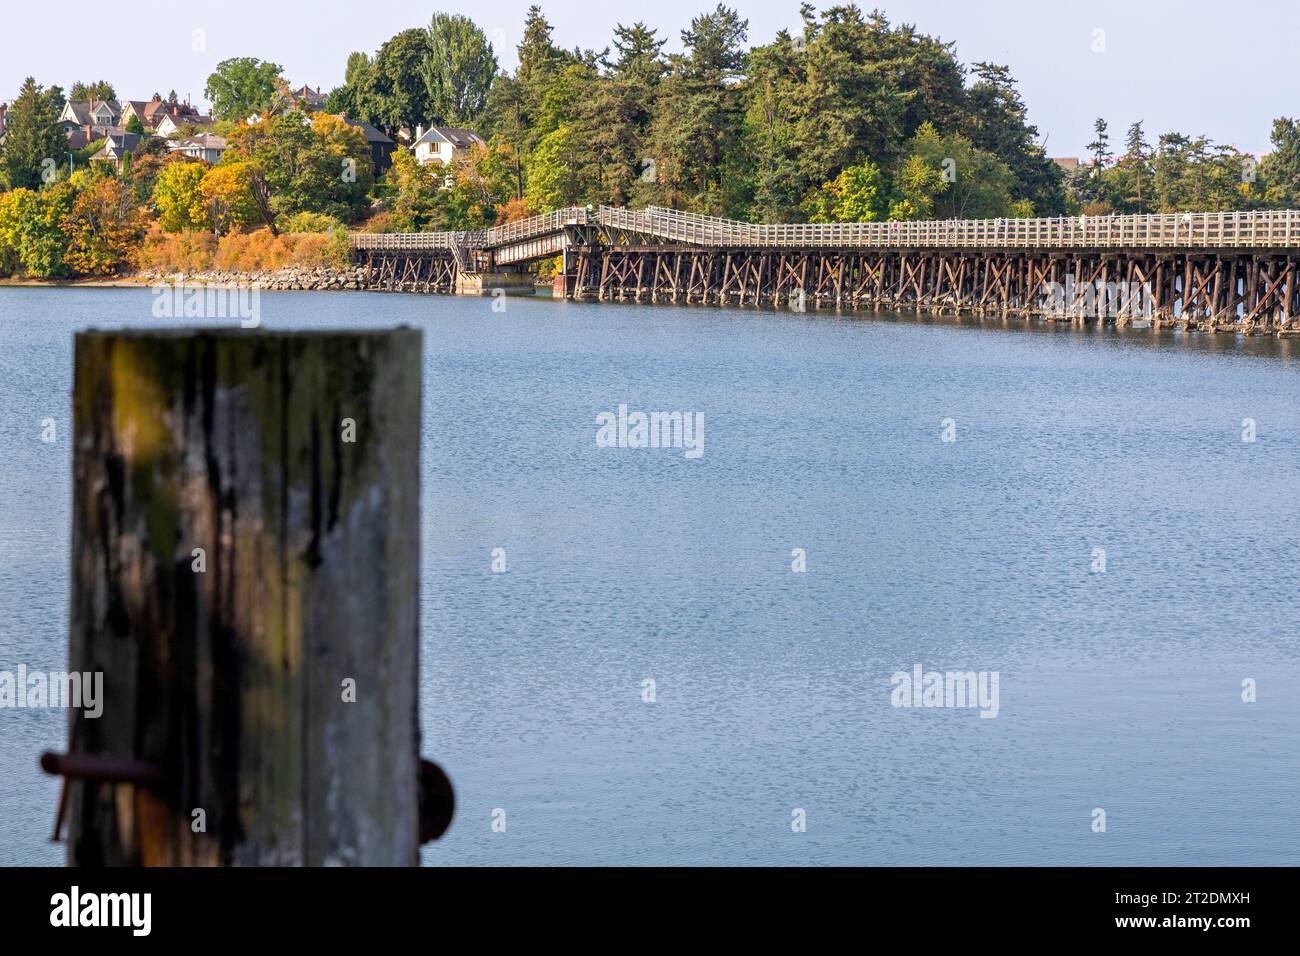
{"type": "Point", "coordinates": [1231, 271]}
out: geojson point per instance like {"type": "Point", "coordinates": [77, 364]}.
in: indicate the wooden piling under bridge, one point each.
{"type": "Point", "coordinates": [245, 574]}
{"type": "Point", "coordinates": [1226, 271]}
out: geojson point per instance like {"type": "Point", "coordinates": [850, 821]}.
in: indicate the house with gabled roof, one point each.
{"type": "Point", "coordinates": [118, 144]}
{"type": "Point", "coordinates": [101, 114]}
{"type": "Point", "coordinates": [170, 125]}
{"type": "Point", "coordinates": [205, 146]}
{"type": "Point", "coordinates": [309, 99]}
{"type": "Point", "coordinates": [151, 112]}
{"type": "Point", "coordinates": [444, 144]}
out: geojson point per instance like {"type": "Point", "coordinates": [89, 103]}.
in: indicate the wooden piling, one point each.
{"type": "Point", "coordinates": [245, 558]}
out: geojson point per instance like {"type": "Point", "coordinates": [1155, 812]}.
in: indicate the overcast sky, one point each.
{"type": "Point", "coordinates": [1195, 66]}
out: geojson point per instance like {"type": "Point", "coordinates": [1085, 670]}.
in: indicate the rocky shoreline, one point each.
{"type": "Point", "coordinates": [289, 279]}
{"type": "Point", "coordinates": [292, 278]}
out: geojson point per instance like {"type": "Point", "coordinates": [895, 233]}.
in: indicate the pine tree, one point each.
{"type": "Point", "coordinates": [1136, 168]}
{"type": "Point", "coordinates": [1100, 146]}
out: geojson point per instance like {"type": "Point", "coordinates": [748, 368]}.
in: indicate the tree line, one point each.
{"type": "Point", "coordinates": [846, 118]}
{"type": "Point", "coordinates": [1186, 173]}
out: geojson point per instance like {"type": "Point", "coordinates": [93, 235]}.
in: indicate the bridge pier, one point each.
{"type": "Point", "coordinates": [495, 283]}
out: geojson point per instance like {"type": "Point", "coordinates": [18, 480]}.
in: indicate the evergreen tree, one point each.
{"type": "Point", "coordinates": [695, 135]}
{"type": "Point", "coordinates": [1133, 188]}
{"type": "Point", "coordinates": [99, 90]}
{"type": "Point", "coordinates": [34, 145]}
{"type": "Point", "coordinates": [847, 89]}
{"type": "Point", "coordinates": [539, 62]}
{"type": "Point", "coordinates": [1280, 170]}
{"type": "Point", "coordinates": [1100, 145]}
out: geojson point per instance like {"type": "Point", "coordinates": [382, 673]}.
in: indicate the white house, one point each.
{"type": "Point", "coordinates": [444, 144]}
{"type": "Point", "coordinates": [170, 125]}
{"type": "Point", "coordinates": [205, 146]}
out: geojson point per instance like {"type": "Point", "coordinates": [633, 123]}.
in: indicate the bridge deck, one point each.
{"type": "Point", "coordinates": [518, 240]}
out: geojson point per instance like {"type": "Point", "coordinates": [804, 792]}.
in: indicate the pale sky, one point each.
{"type": "Point", "coordinates": [1195, 66]}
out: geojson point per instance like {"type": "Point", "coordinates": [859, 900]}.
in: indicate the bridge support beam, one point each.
{"type": "Point", "coordinates": [1214, 291]}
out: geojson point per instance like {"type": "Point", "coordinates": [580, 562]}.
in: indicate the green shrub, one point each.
{"type": "Point", "coordinates": [309, 222]}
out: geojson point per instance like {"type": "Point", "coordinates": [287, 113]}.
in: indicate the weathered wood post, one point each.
{"type": "Point", "coordinates": [245, 573]}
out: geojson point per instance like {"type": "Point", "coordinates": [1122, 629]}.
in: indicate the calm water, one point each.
{"type": "Point", "coordinates": [1119, 690]}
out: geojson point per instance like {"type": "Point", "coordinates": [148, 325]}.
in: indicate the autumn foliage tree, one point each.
{"type": "Point", "coordinates": [177, 198]}
{"type": "Point", "coordinates": [103, 227]}
{"type": "Point", "coordinates": [32, 240]}
{"type": "Point", "coordinates": [413, 188]}
{"type": "Point", "coordinates": [227, 192]}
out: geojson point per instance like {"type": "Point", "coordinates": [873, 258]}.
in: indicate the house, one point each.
{"type": "Point", "coordinates": [151, 112]}
{"type": "Point", "coordinates": [381, 145]}
{"type": "Point", "coordinates": [83, 136]}
{"type": "Point", "coordinates": [118, 144]}
{"type": "Point", "coordinates": [444, 144]}
{"type": "Point", "coordinates": [308, 99]}
{"type": "Point", "coordinates": [103, 115]}
{"type": "Point", "coordinates": [1067, 163]}
{"type": "Point", "coordinates": [170, 124]}
{"type": "Point", "coordinates": [205, 146]}
{"type": "Point", "coordinates": [304, 98]}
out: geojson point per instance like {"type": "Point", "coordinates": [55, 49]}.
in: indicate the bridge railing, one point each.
{"type": "Point", "coordinates": [1259, 229]}
{"type": "Point", "coordinates": [516, 231]}
{"type": "Point", "coordinates": [535, 226]}
{"type": "Point", "coordinates": [1270, 228]}
{"type": "Point", "coordinates": [411, 241]}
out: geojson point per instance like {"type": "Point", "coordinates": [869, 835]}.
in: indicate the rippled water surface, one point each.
{"type": "Point", "coordinates": [1120, 690]}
